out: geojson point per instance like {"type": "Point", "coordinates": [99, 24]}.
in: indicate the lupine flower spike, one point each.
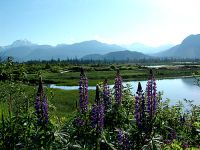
{"type": "Point", "coordinates": [118, 88]}
{"type": "Point", "coordinates": [139, 106]}
{"type": "Point", "coordinates": [97, 113]}
{"type": "Point", "coordinates": [41, 105]}
{"type": "Point", "coordinates": [83, 92]}
{"type": "Point", "coordinates": [151, 95]}
{"type": "Point", "coordinates": [79, 122]}
{"type": "Point", "coordinates": [123, 140]}
{"type": "Point", "coordinates": [106, 95]}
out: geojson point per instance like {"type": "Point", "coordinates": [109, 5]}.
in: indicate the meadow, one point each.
{"type": "Point", "coordinates": [34, 116]}
{"type": "Point", "coordinates": [67, 73]}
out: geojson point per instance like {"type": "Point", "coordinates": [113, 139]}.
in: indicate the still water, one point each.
{"type": "Point", "coordinates": [174, 89]}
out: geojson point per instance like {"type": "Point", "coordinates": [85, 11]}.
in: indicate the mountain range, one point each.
{"type": "Point", "coordinates": [23, 50]}
{"type": "Point", "coordinates": [119, 55]}
{"type": "Point", "coordinates": [147, 49]}
{"type": "Point", "coordinates": [189, 48]}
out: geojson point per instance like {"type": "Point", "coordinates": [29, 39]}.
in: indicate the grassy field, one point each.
{"type": "Point", "coordinates": [68, 74]}
{"type": "Point", "coordinates": [135, 73]}
{"type": "Point", "coordinates": [65, 101]}
{"type": "Point", "coordinates": [61, 102]}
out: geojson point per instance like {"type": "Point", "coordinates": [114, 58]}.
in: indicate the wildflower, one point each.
{"type": "Point", "coordinates": [79, 122]}
{"type": "Point", "coordinates": [151, 95]}
{"type": "Point", "coordinates": [100, 117]}
{"type": "Point", "coordinates": [120, 137]}
{"type": "Point", "coordinates": [123, 140]}
{"type": "Point", "coordinates": [97, 113]}
{"type": "Point", "coordinates": [139, 106]}
{"type": "Point", "coordinates": [139, 89]}
{"type": "Point", "coordinates": [118, 88]}
{"type": "Point", "coordinates": [41, 105]}
{"type": "Point", "coordinates": [83, 92]}
{"type": "Point", "coordinates": [185, 145]}
{"type": "Point", "coordinates": [45, 110]}
{"type": "Point", "coordinates": [168, 142]}
{"type": "Point", "coordinates": [137, 111]}
{"type": "Point", "coordinates": [97, 117]}
{"type": "Point", "coordinates": [106, 95]}
{"type": "Point", "coordinates": [173, 134]}
{"type": "Point", "coordinates": [94, 113]}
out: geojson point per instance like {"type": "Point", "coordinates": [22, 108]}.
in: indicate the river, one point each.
{"type": "Point", "coordinates": [174, 89]}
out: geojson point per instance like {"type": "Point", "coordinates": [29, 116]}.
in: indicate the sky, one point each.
{"type": "Point", "coordinates": [151, 22]}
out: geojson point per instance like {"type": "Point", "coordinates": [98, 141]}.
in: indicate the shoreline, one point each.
{"type": "Point", "coordinates": [128, 80]}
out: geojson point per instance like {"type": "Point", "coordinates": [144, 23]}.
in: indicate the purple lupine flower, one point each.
{"type": "Point", "coordinates": [79, 122]}
{"type": "Point", "coordinates": [94, 113]}
{"type": "Point", "coordinates": [37, 105]}
{"type": "Point", "coordinates": [120, 137]}
{"type": "Point", "coordinates": [118, 88]}
{"type": "Point", "coordinates": [106, 95]}
{"type": "Point", "coordinates": [97, 113]}
{"type": "Point", "coordinates": [139, 106]}
{"type": "Point", "coordinates": [41, 105]}
{"type": "Point", "coordinates": [185, 145]}
{"type": "Point", "coordinates": [143, 108]}
{"type": "Point", "coordinates": [151, 95]}
{"type": "Point", "coordinates": [154, 95]}
{"type": "Point", "coordinates": [137, 111]}
{"type": "Point", "coordinates": [97, 117]}
{"type": "Point", "coordinates": [173, 134]}
{"type": "Point", "coordinates": [100, 117]}
{"type": "Point", "coordinates": [168, 142]}
{"type": "Point", "coordinates": [123, 140]}
{"type": "Point", "coordinates": [45, 110]}
{"type": "Point", "coordinates": [126, 142]}
{"type": "Point", "coordinates": [83, 92]}
{"type": "Point", "coordinates": [139, 89]}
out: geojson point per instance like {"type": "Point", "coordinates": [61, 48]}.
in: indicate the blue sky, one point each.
{"type": "Point", "coordinates": [151, 22]}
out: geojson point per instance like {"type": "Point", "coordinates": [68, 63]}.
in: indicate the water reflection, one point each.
{"type": "Point", "coordinates": [178, 89]}
{"type": "Point", "coordinates": [174, 89]}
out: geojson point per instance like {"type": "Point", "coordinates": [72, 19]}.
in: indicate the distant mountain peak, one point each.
{"type": "Point", "coordinates": [117, 55]}
{"type": "Point", "coordinates": [93, 42]}
{"type": "Point", "coordinates": [90, 41]}
{"type": "Point", "coordinates": [147, 49]}
{"type": "Point", "coordinates": [19, 43]}
{"type": "Point", "coordinates": [189, 48]}
{"type": "Point", "coordinates": [192, 39]}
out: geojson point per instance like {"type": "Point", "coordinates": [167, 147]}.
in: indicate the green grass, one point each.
{"type": "Point", "coordinates": [65, 101]}
{"type": "Point", "coordinates": [62, 102]}
{"type": "Point", "coordinates": [96, 73]}
{"type": "Point", "coordinates": [94, 77]}
{"type": "Point", "coordinates": [3, 109]}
